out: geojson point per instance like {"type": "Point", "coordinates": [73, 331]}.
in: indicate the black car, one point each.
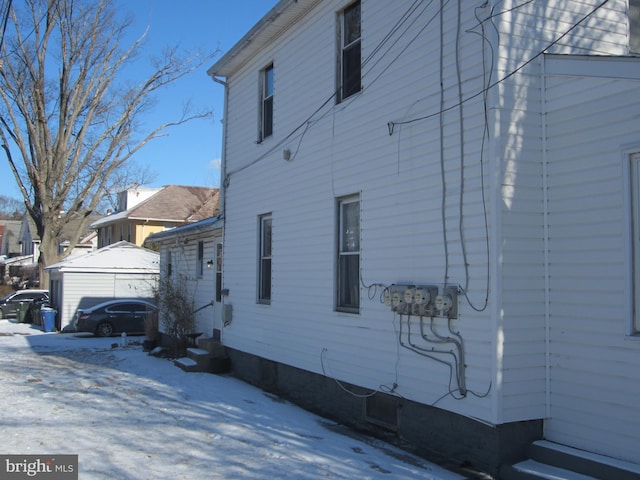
{"type": "Point", "coordinates": [115, 316]}
{"type": "Point", "coordinates": [9, 304]}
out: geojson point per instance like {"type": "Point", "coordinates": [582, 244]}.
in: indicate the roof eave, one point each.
{"type": "Point", "coordinates": [276, 21]}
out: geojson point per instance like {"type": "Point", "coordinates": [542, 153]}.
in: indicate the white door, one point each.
{"type": "Point", "coordinates": [217, 306]}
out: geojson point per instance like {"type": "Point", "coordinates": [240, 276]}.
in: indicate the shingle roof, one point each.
{"type": "Point", "coordinates": [174, 203]}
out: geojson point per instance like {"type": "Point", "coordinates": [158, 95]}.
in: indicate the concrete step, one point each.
{"type": "Point", "coordinates": [200, 357]}
{"type": "Point", "coordinates": [531, 469]}
{"type": "Point", "coordinates": [586, 463]}
{"type": "Point", "coordinates": [552, 461]}
{"type": "Point", "coordinates": [187, 364]}
{"type": "Point", "coordinates": [201, 360]}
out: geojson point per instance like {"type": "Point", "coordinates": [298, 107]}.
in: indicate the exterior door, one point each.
{"type": "Point", "coordinates": [217, 306]}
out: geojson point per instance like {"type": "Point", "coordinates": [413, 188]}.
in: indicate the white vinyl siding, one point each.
{"type": "Point", "coordinates": [423, 210]}
{"type": "Point", "coordinates": [187, 264]}
{"type": "Point", "coordinates": [594, 373]}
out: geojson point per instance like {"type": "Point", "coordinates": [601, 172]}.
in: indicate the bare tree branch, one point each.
{"type": "Point", "coordinates": [69, 122]}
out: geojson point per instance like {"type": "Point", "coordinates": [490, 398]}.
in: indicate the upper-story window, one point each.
{"type": "Point", "coordinates": [350, 75]}
{"type": "Point", "coordinates": [634, 26]}
{"type": "Point", "coordinates": [266, 103]}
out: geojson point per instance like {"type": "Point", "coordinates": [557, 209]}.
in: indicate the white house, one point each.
{"type": "Point", "coordinates": [193, 254]}
{"type": "Point", "coordinates": [120, 270]}
{"type": "Point", "coordinates": [431, 220]}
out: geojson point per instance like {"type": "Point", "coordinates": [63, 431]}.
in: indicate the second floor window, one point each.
{"type": "Point", "coordinates": [350, 75]}
{"type": "Point", "coordinates": [266, 103]}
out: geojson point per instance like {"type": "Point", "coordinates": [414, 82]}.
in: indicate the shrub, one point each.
{"type": "Point", "coordinates": [177, 310]}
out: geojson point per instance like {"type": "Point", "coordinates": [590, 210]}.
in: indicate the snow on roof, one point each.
{"type": "Point", "coordinates": [118, 257]}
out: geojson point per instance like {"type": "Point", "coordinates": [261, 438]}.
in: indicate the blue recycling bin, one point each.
{"type": "Point", "coordinates": [48, 319]}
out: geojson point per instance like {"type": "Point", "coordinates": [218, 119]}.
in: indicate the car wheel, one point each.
{"type": "Point", "coordinates": [104, 329]}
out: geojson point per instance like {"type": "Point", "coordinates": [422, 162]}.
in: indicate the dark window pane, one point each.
{"type": "Point", "coordinates": [351, 77]}
{"type": "Point", "coordinates": [265, 279]}
{"type": "Point", "coordinates": [352, 23]}
{"type": "Point", "coordinates": [348, 289]}
{"type": "Point", "coordinates": [267, 118]}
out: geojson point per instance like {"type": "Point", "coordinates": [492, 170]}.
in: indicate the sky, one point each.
{"type": "Point", "coordinates": [190, 153]}
{"type": "Point", "coordinates": [131, 416]}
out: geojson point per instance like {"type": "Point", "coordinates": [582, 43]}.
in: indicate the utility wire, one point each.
{"type": "Point", "coordinates": [507, 76]}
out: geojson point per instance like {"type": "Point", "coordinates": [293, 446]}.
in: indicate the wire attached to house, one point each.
{"type": "Point", "coordinates": [508, 75]}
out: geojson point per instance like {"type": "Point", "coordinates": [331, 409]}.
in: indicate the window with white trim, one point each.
{"type": "Point", "coordinates": [264, 265]}
{"type": "Point", "coordinates": [634, 26]}
{"type": "Point", "coordinates": [350, 74]}
{"type": "Point", "coordinates": [348, 253]}
{"type": "Point", "coordinates": [266, 103]}
{"type": "Point", "coordinates": [200, 264]}
{"type": "Point", "coordinates": [635, 245]}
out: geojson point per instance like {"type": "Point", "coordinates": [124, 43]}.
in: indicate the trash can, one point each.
{"type": "Point", "coordinates": [23, 310]}
{"type": "Point", "coordinates": [48, 316]}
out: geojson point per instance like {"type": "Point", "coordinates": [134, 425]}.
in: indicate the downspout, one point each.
{"type": "Point", "coordinates": [545, 220]}
{"type": "Point", "coordinates": [223, 194]}
{"type": "Point", "coordinates": [223, 167]}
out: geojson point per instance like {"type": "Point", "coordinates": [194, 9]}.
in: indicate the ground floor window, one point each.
{"type": "Point", "coordinates": [264, 260]}
{"type": "Point", "coordinates": [635, 244]}
{"type": "Point", "coordinates": [348, 253]}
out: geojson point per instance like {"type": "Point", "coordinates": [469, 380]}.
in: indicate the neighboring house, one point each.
{"type": "Point", "coordinates": [121, 270]}
{"type": "Point", "coordinates": [142, 212]}
{"type": "Point", "coordinates": [432, 220]}
{"type": "Point", "coordinates": [9, 245]}
{"type": "Point", "coordinates": [193, 254]}
{"type": "Point", "coordinates": [29, 239]}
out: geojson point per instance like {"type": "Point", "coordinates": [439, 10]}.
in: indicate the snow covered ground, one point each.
{"type": "Point", "coordinates": [128, 415]}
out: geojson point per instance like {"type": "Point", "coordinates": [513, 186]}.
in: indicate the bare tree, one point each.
{"type": "Point", "coordinates": [70, 118]}
{"type": "Point", "coordinates": [10, 208]}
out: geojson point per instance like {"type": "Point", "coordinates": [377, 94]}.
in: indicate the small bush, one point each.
{"type": "Point", "coordinates": [177, 310]}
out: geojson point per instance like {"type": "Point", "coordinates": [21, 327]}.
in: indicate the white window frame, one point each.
{"type": "Point", "coordinates": [634, 26]}
{"type": "Point", "coordinates": [265, 129]}
{"type": "Point", "coordinates": [632, 160]}
{"type": "Point", "coordinates": [346, 46]}
{"type": "Point", "coordinates": [265, 259]}
{"type": "Point", "coordinates": [349, 254]}
{"type": "Point", "coordinates": [200, 262]}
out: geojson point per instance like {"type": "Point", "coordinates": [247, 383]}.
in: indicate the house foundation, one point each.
{"type": "Point", "coordinates": [446, 438]}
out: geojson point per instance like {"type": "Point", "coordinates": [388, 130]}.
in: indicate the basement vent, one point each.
{"type": "Point", "coordinates": [382, 410]}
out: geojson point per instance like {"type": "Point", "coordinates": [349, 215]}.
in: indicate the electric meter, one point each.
{"type": "Point", "coordinates": [443, 303]}
{"type": "Point", "coordinates": [408, 295]}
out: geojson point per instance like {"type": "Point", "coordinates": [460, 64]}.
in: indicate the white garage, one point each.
{"type": "Point", "coordinates": [120, 270]}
